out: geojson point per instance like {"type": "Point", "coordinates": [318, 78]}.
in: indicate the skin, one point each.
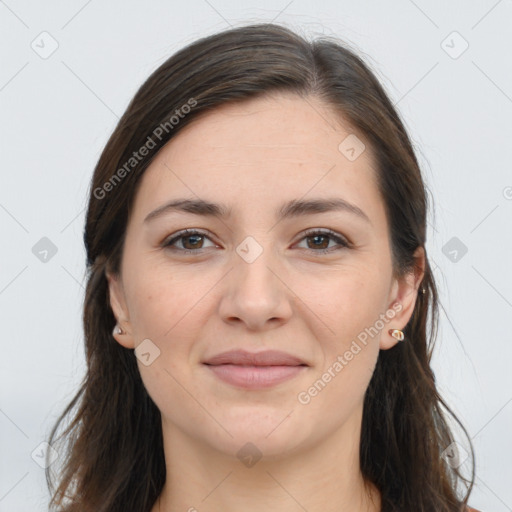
{"type": "Point", "coordinates": [254, 156]}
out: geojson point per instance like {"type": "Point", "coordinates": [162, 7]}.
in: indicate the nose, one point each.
{"type": "Point", "coordinates": [256, 293]}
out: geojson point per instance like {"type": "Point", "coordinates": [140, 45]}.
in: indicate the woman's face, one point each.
{"type": "Point", "coordinates": [266, 276]}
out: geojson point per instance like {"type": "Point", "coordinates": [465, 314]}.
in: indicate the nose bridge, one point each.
{"type": "Point", "coordinates": [256, 294]}
{"type": "Point", "coordinates": [253, 261]}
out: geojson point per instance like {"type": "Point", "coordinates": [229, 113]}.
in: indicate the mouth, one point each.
{"type": "Point", "coordinates": [260, 370]}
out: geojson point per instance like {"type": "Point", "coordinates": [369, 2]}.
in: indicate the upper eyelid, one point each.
{"type": "Point", "coordinates": [187, 232]}
{"type": "Point", "coordinates": [324, 231]}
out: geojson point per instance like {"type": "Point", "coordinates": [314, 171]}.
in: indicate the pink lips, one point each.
{"type": "Point", "coordinates": [255, 370]}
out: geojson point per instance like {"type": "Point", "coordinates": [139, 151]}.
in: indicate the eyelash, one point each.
{"type": "Point", "coordinates": [342, 242]}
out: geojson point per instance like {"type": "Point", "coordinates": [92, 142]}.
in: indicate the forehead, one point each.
{"type": "Point", "coordinates": [283, 124]}
{"type": "Point", "coordinates": [277, 147]}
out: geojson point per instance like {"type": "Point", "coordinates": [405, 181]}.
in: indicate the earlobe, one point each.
{"type": "Point", "coordinates": [404, 296]}
{"type": "Point", "coordinates": [390, 337]}
{"type": "Point", "coordinates": [122, 337]}
{"type": "Point", "coordinates": [122, 329]}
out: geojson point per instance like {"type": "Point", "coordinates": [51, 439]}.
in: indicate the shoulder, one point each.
{"type": "Point", "coordinates": [468, 509]}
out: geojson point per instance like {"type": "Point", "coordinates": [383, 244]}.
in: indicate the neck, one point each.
{"type": "Point", "coordinates": [325, 477]}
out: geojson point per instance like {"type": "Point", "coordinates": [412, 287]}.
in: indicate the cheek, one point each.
{"type": "Point", "coordinates": [170, 310]}
{"type": "Point", "coordinates": [165, 310]}
{"type": "Point", "coordinates": [358, 323]}
{"type": "Point", "coordinates": [158, 300]}
{"type": "Point", "coordinates": [347, 300]}
{"type": "Point", "coordinates": [350, 309]}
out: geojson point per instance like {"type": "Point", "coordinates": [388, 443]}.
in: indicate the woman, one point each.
{"type": "Point", "coordinates": [258, 293]}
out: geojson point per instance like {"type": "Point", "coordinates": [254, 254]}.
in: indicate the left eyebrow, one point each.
{"type": "Point", "coordinates": [293, 208]}
{"type": "Point", "coordinates": [296, 208]}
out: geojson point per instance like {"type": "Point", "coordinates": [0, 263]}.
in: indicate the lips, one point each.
{"type": "Point", "coordinates": [266, 358]}
{"type": "Point", "coordinates": [253, 371]}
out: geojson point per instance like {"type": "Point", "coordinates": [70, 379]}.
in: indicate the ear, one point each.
{"type": "Point", "coordinates": [118, 305]}
{"type": "Point", "coordinates": [404, 293]}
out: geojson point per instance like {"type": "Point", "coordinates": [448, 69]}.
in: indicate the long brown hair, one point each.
{"type": "Point", "coordinates": [112, 448]}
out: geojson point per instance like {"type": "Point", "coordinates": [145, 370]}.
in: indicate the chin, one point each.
{"type": "Point", "coordinates": [265, 430]}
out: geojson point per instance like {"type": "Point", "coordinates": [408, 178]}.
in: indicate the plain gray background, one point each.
{"type": "Point", "coordinates": [453, 90]}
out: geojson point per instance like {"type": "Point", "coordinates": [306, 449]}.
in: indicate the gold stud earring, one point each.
{"type": "Point", "coordinates": [397, 333]}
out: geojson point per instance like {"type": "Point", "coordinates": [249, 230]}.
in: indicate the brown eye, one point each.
{"type": "Point", "coordinates": [318, 241]}
{"type": "Point", "coordinates": [190, 240]}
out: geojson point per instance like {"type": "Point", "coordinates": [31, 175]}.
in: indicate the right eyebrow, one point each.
{"type": "Point", "coordinates": [195, 206]}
